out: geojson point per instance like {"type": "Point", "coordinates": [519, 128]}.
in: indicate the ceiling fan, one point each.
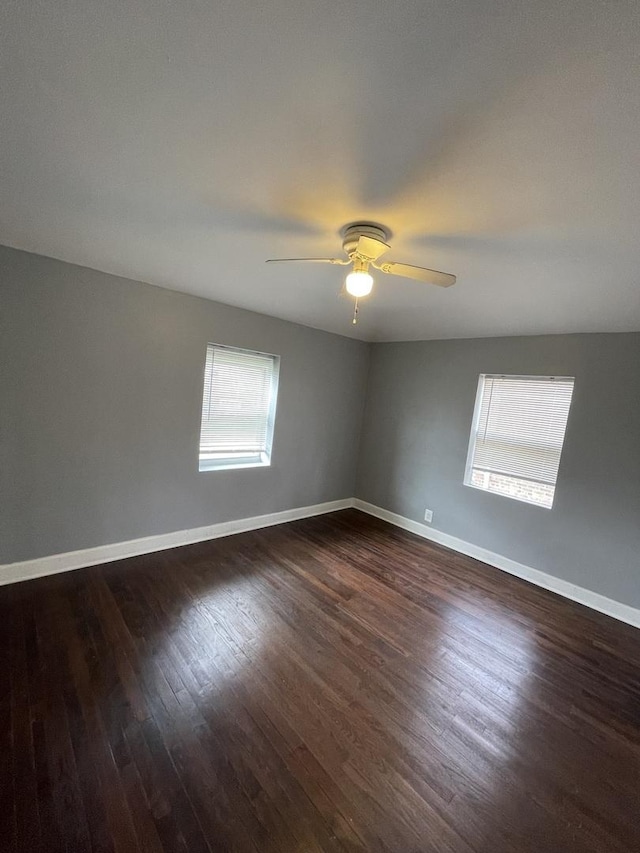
{"type": "Point", "coordinates": [364, 243]}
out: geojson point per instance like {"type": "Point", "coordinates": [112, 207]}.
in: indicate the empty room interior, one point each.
{"type": "Point", "coordinates": [320, 426]}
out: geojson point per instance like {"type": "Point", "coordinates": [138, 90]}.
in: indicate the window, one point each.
{"type": "Point", "coordinates": [517, 434]}
{"type": "Point", "coordinates": [238, 408]}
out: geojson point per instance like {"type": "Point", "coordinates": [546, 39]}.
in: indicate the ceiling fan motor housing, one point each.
{"type": "Point", "coordinates": [352, 233]}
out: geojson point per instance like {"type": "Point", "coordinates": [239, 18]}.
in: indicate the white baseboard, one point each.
{"type": "Point", "coordinates": [28, 569]}
{"type": "Point", "coordinates": [594, 600]}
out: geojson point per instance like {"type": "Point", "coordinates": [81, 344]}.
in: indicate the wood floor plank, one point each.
{"type": "Point", "coordinates": [27, 815]}
{"type": "Point", "coordinates": [8, 796]}
{"type": "Point", "coordinates": [332, 684]}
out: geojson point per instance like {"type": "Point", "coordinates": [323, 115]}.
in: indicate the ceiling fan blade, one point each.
{"type": "Point", "coordinates": [371, 249]}
{"type": "Point", "coordinates": [440, 279]}
{"type": "Point", "coordinates": [306, 260]}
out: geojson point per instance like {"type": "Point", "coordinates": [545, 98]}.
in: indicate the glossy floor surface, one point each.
{"type": "Point", "coordinates": [333, 684]}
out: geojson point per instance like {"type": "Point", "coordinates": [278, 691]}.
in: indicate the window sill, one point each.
{"type": "Point", "coordinates": [230, 464]}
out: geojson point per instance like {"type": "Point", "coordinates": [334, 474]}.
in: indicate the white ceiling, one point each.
{"type": "Point", "coordinates": [184, 143]}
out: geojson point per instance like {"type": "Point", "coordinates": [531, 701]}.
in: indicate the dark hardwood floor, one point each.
{"type": "Point", "coordinates": [333, 684]}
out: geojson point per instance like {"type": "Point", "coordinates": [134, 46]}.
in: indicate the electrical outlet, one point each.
{"type": "Point", "coordinates": [428, 515]}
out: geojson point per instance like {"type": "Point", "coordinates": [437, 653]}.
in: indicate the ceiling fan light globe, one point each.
{"type": "Point", "coordinates": [359, 283]}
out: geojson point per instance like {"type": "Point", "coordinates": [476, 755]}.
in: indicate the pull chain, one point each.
{"type": "Point", "coordinates": [355, 312]}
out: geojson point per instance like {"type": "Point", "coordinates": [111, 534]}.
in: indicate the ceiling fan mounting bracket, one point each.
{"type": "Point", "coordinates": [352, 232]}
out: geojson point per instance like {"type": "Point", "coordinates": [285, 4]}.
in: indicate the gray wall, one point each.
{"type": "Point", "coordinates": [414, 446]}
{"type": "Point", "coordinates": [101, 390]}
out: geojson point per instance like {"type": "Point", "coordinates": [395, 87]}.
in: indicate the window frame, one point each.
{"type": "Point", "coordinates": [477, 411]}
{"type": "Point", "coordinates": [227, 462]}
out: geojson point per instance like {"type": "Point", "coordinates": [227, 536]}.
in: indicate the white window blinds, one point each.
{"type": "Point", "coordinates": [517, 435]}
{"type": "Point", "coordinates": [238, 407]}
